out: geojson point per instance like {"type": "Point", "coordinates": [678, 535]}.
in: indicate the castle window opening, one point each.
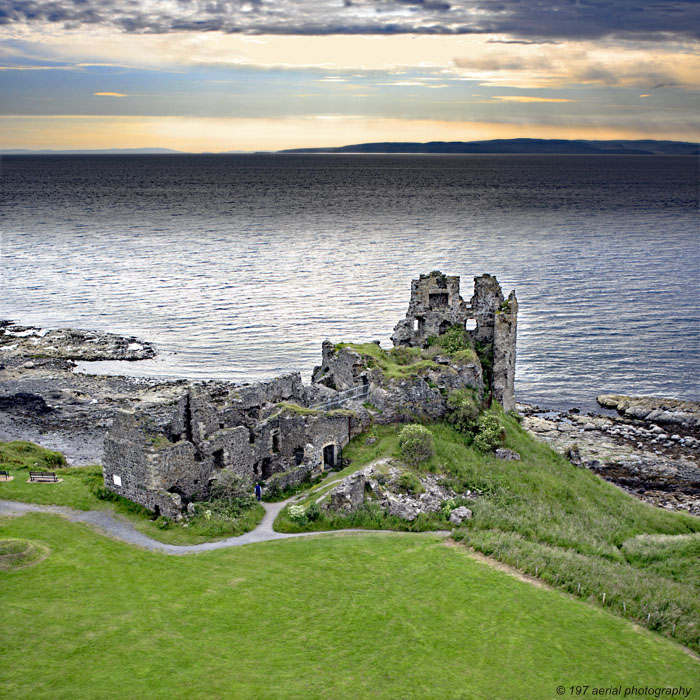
{"type": "Point", "coordinates": [275, 442]}
{"type": "Point", "coordinates": [266, 468]}
{"type": "Point", "coordinates": [218, 456]}
{"type": "Point", "coordinates": [298, 456]}
{"type": "Point", "coordinates": [117, 479]}
{"type": "Point", "coordinates": [470, 324]}
{"type": "Point", "coordinates": [415, 324]}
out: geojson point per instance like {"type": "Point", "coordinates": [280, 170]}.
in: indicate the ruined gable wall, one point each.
{"type": "Point", "coordinates": [504, 341]}
{"type": "Point", "coordinates": [340, 369]}
{"type": "Point", "coordinates": [435, 305]}
{"type": "Point", "coordinates": [484, 304]}
{"type": "Point", "coordinates": [134, 467]}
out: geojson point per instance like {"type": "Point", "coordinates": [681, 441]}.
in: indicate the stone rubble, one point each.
{"type": "Point", "coordinates": [380, 483]}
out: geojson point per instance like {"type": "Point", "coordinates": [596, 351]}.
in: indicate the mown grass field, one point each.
{"type": "Point", "coordinates": [565, 525]}
{"type": "Point", "coordinates": [334, 617]}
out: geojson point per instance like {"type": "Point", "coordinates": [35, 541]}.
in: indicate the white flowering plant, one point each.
{"type": "Point", "coordinates": [297, 513]}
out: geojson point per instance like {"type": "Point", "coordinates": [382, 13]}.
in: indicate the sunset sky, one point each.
{"type": "Point", "coordinates": [219, 75]}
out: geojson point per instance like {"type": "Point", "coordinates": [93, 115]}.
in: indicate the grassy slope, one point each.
{"type": "Point", "coordinates": [371, 616]}
{"type": "Point", "coordinates": [565, 525]}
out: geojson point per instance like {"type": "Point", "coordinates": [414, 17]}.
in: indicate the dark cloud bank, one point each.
{"type": "Point", "coordinates": [528, 19]}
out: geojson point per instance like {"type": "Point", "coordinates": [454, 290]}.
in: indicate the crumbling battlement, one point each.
{"type": "Point", "coordinates": [270, 431]}
{"type": "Point", "coordinates": [491, 320]}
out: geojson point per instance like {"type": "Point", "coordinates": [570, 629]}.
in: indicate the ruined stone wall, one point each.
{"type": "Point", "coordinates": [435, 306]}
{"type": "Point", "coordinates": [175, 459]}
{"type": "Point", "coordinates": [267, 431]}
{"type": "Point", "coordinates": [132, 464]}
{"type": "Point", "coordinates": [340, 369]}
{"type": "Point", "coordinates": [484, 304]}
{"type": "Point", "coordinates": [504, 341]}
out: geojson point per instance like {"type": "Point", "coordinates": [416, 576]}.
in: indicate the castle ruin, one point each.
{"type": "Point", "coordinates": [436, 306]}
{"type": "Point", "coordinates": [282, 432]}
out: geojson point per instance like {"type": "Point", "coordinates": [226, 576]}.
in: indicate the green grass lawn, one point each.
{"type": "Point", "coordinates": [560, 523]}
{"type": "Point", "coordinates": [333, 617]}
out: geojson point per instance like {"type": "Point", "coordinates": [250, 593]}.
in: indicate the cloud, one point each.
{"type": "Point", "coordinates": [527, 20]}
{"type": "Point", "coordinates": [583, 64]}
{"type": "Point", "coordinates": [529, 98]}
{"type": "Point", "coordinates": [110, 94]}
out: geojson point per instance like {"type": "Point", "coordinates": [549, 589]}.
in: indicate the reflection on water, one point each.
{"type": "Point", "coordinates": [238, 267]}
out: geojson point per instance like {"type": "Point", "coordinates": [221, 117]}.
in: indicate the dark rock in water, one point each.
{"type": "Point", "coordinates": [70, 344]}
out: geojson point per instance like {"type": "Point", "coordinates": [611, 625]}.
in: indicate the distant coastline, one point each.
{"type": "Point", "coordinates": [518, 147]}
{"type": "Point", "coordinates": [645, 147]}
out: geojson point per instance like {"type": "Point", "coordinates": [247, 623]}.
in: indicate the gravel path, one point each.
{"type": "Point", "coordinates": [123, 530]}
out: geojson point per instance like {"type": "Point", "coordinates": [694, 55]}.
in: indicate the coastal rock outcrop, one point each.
{"type": "Point", "coordinates": [639, 455]}
{"type": "Point", "coordinates": [70, 344]}
{"type": "Point", "coordinates": [664, 412]}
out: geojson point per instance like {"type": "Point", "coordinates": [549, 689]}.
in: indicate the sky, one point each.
{"type": "Point", "coordinates": [227, 75]}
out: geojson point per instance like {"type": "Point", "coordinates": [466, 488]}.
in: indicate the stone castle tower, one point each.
{"type": "Point", "coordinates": [489, 318]}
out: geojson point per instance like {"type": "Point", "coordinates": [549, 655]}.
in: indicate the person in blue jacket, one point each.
{"type": "Point", "coordinates": [258, 492]}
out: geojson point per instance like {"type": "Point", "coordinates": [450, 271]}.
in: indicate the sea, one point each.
{"type": "Point", "coordinates": [238, 266]}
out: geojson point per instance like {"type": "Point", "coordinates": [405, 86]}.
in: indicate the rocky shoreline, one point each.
{"type": "Point", "coordinates": [651, 451]}
{"type": "Point", "coordinates": [42, 398]}
{"type": "Point", "coordinates": [650, 448]}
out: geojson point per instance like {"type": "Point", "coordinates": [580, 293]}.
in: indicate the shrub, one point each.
{"type": "Point", "coordinates": [415, 444]}
{"type": "Point", "coordinates": [313, 512]}
{"type": "Point", "coordinates": [229, 486]}
{"type": "Point", "coordinates": [447, 507]}
{"type": "Point", "coordinates": [489, 434]}
{"type": "Point", "coordinates": [452, 340]}
{"type": "Point", "coordinates": [405, 355]}
{"type": "Point", "coordinates": [54, 459]}
{"type": "Point", "coordinates": [409, 483]}
{"type": "Point", "coordinates": [462, 410]}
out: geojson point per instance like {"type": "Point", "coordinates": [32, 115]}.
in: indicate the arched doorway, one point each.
{"type": "Point", "coordinates": [331, 456]}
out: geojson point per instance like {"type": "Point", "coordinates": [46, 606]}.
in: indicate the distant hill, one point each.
{"type": "Point", "coordinates": [505, 146]}
{"type": "Point", "coordinates": [523, 146]}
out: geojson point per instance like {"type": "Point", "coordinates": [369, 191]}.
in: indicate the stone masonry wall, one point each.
{"type": "Point", "coordinates": [504, 341]}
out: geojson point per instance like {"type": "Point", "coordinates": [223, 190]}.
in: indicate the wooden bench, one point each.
{"type": "Point", "coordinates": [43, 476]}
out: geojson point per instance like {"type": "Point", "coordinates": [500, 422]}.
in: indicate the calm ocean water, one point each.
{"type": "Point", "coordinates": [239, 266]}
